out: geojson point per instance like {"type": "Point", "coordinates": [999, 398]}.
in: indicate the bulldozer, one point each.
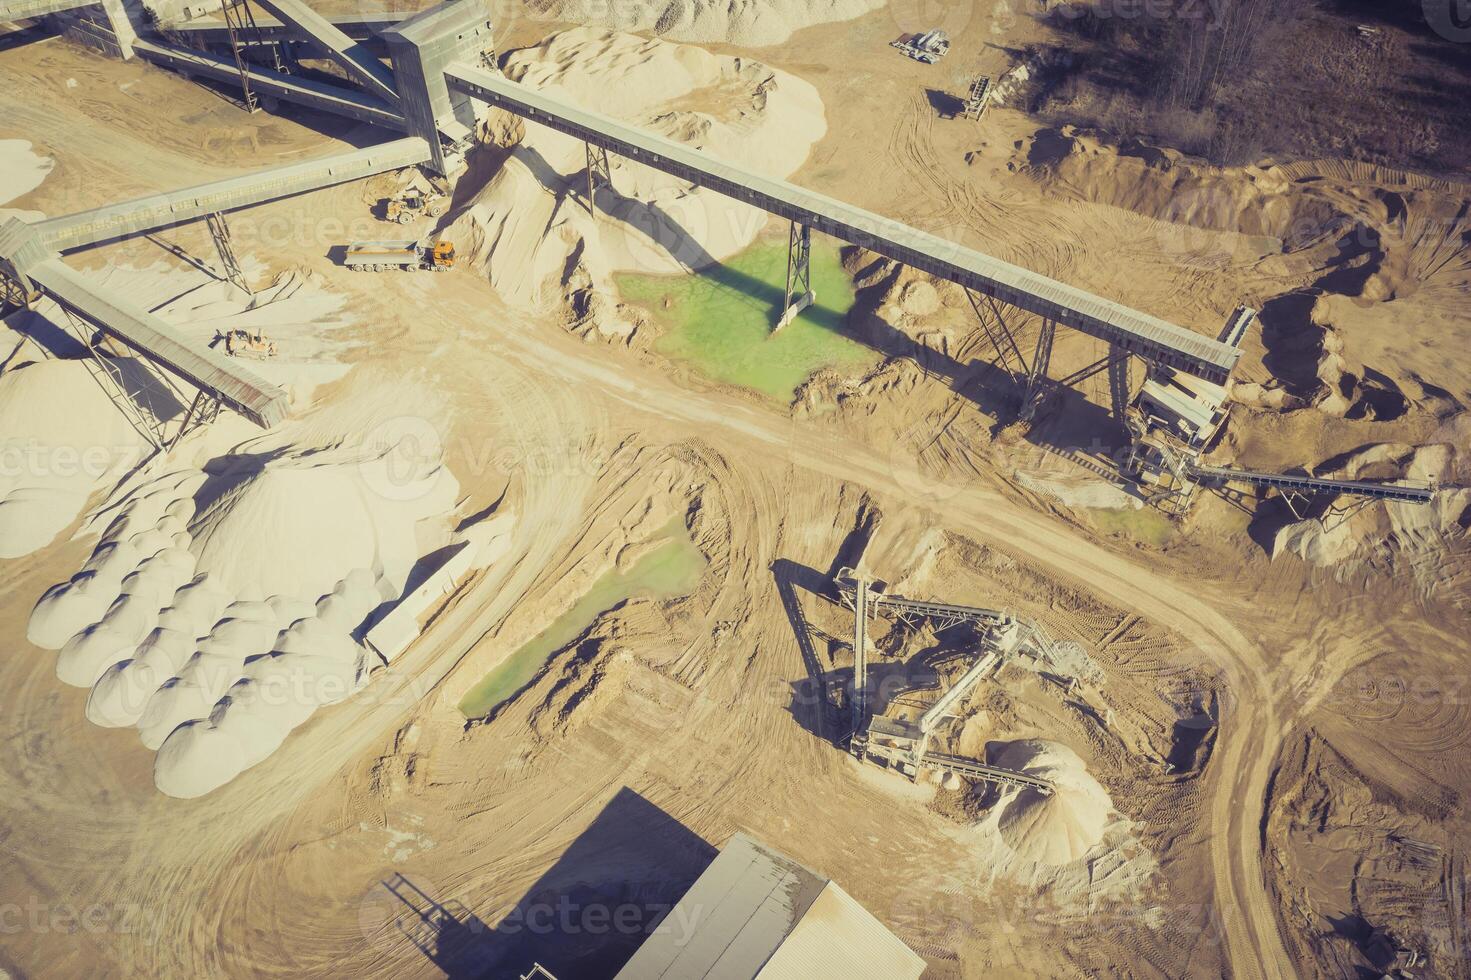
{"type": "Point", "coordinates": [413, 203]}
{"type": "Point", "coordinates": [243, 343]}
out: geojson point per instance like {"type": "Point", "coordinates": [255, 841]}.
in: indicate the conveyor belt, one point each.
{"type": "Point", "coordinates": [1357, 488]}
{"type": "Point", "coordinates": [289, 88]}
{"type": "Point", "coordinates": [1139, 333]}
{"type": "Point", "coordinates": [350, 55]}
{"type": "Point", "coordinates": [847, 588]}
{"type": "Point", "coordinates": [972, 769]}
{"type": "Point", "coordinates": [359, 27]}
{"type": "Point", "coordinates": [225, 378]}
{"type": "Point", "coordinates": [26, 9]}
{"type": "Point", "coordinates": [176, 207]}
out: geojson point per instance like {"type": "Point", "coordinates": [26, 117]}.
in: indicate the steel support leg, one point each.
{"type": "Point", "coordinates": [1037, 377]}
{"type": "Point", "coordinates": [220, 232]}
{"type": "Point", "coordinates": [1005, 353]}
{"type": "Point", "coordinates": [799, 275]}
{"type": "Point", "coordinates": [1119, 389]}
{"type": "Point", "coordinates": [598, 171]}
{"type": "Point", "coordinates": [860, 656]}
{"type": "Point", "coordinates": [236, 28]}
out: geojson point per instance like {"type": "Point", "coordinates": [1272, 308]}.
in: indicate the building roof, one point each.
{"type": "Point", "coordinates": [755, 913]}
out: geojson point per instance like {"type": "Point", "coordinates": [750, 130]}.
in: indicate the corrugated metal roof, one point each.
{"type": "Point", "coordinates": [1022, 288]}
{"type": "Point", "coordinates": [738, 918]}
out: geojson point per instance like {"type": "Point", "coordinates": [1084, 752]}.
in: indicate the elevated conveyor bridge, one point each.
{"type": "Point", "coordinates": [321, 96]}
{"type": "Point", "coordinates": [1127, 330]}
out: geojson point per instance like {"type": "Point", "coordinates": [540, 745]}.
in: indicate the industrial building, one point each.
{"type": "Point", "coordinates": [755, 913]}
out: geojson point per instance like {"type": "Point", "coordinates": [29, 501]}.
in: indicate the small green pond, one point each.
{"type": "Point", "coordinates": [719, 320]}
{"type": "Point", "coordinates": [671, 569]}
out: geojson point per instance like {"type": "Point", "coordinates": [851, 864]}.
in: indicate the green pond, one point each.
{"type": "Point", "coordinates": [719, 320]}
{"type": "Point", "coordinates": [672, 569]}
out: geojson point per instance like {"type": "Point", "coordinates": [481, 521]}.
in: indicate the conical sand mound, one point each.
{"type": "Point", "coordinates": [1057, 828]}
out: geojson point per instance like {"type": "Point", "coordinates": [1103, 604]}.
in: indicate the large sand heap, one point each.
{"type": "Point", "coordinates": [62, 434]}
{"type": "Point", "coordinates": [60, 437]}
{"type": "Point", "coordinates": [529, 229]}
{"type": "Point", "coordinates": [1058, 828]}
{"type": "Point", "coordinates": [1388, 527]}
{"type": "Point", "coordinates": [218, 609]}
{"type": "Point", "coordinates": [22, 170]}
{"type": "Point", "coordinates": [743, 22]}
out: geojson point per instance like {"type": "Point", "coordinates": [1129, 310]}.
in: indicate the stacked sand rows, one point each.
{"type": "Point", "coordinates": [217, 633]}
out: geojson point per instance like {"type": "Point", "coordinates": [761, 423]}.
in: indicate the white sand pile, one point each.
{"type": "Point", "coordinates": [60, 437]}
{"type": "Point", "coordinates": [1058, 828]}
{"type": "Point", "coordinates": [1389, 527]}
{"type": "Point", "coordinates": [529, 230]}
{"type": "Point", "coordinates": [743, 22]}
{"type": "Point", "coordinates": [218, 610]}
{"type": "Point", "coordinates": [295, 312]}
{"type": "Point", "coordinates": [22, 170]}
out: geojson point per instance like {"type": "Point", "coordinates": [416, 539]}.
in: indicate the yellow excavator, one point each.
{"type": "Point", "coordinates": [413, 203]}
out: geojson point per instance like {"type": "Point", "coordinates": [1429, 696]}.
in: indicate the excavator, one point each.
{"type": "Point", "coordinates": [412, 203]}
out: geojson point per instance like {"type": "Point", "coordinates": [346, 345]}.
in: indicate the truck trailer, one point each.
{"type": "Point", "coordinates": [379, 256]}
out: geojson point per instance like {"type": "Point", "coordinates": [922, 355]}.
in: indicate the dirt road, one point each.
{"type": "Point", "coordinates": [1250, 736]}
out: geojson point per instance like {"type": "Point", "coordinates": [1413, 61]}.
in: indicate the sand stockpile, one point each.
{"type": "Point", "coordinates": [61, 437]}
{"type": "Point", "coordinates": [742, 22]}
{"type": "Point", "coordinates": [218, 609]}
{"type": "Point", "coordinates": [295, 312]}
{"type": "Point", "coordinates": [22, 170]}
{"type": "Point", "coordinates": [1384, 528]}
{"type": "Point", "coordinates": [1058, 828]}
{"type": "Point", "coordinates": [528, 229]}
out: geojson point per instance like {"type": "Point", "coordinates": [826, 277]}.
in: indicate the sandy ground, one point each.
{"type": "Point", "coordinates": [1217, 728]}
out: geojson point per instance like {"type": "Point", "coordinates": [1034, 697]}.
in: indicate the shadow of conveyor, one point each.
{"type": "Point", "coordinates": [583, 917]}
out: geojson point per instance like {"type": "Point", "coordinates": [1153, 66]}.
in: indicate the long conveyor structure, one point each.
{"type": "Point", "coordinates": [1407, 492]}
{"type": "Point", "coordinates": [1129, 330]}
{"type": "Point", "coordinates": [972, 769]}
{"type": "Point", "coordinates": [12, 10]}
{"type": "Point", "coordinates": [324, 97]}
{"type": "Point", "coordinates": [223, 378]}
{"type": "Point", "coordinates": [361, 26]}
{"type": "Point", "coordinates": [29, 251]}
{"type": "Point", "coordinates": [168, 208]}
{"type": "Point", "coordinates": [348, 53]}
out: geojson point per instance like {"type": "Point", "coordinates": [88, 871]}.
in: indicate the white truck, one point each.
{"type": "Point", "coordinates": [379, 256]}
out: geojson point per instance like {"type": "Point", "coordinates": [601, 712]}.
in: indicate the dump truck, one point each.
{"type": "Point", "coordinates": [928, 47]}
{"type": "Point", "coordinates": [413, 203]}
{"type": "Point", "coordinates": [379, 256]}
